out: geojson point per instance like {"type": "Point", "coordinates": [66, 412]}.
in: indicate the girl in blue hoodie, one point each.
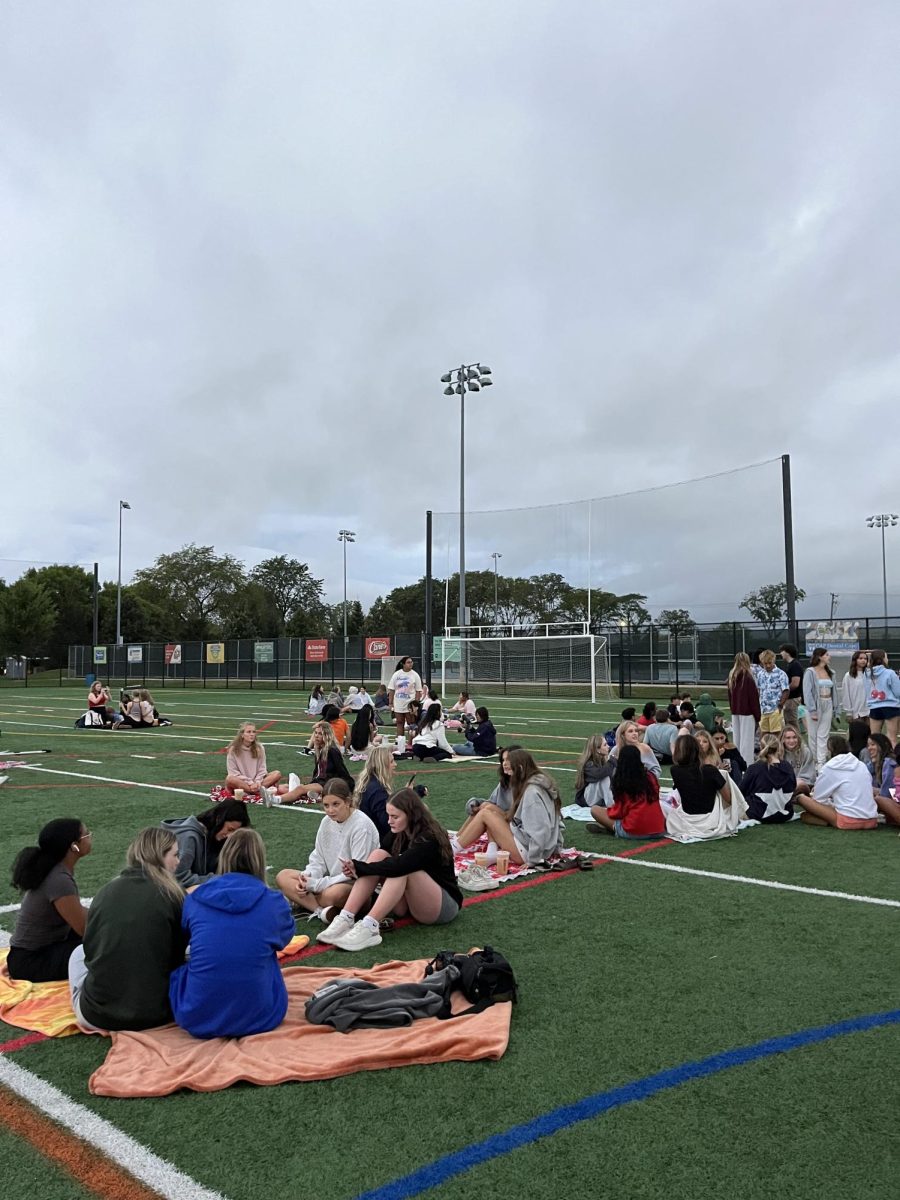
{"type": "Point", "coordinates": [884, 696]}
{"type": "Point", "coordinates": [232, 985]}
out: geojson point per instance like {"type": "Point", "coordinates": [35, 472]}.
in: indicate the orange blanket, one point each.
{"type": "Point", "coordinates": [158, 1062]}
{"type": "Point", "coordinates": [42, 1007]}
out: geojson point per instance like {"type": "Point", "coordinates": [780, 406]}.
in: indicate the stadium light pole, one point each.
{"type": "Point", "coordinates": [883, 521]}
{"type": "Point", "coordinates": [470, 377]}
{"type": "Point", "coordinates": [122, 504]}
{"type": "Point", "coordinates": [495, 556]}
{"type": "Point", "coordinates": [345, 536]}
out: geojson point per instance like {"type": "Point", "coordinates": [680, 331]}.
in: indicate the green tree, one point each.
{"type": "Point", "coordinates": [28, 618]}
{"type": "Point", "coordinates": [676, 620]}
{"type": "Point", "coordinates": [356, 619]}
{"type": "Point", "coordinates": [72, 591]}
{"type": "Point", "coordinates": [192, 588]}
{"type": "Point", "coordinates": [295, 596]}
{"type": "Point", "coordinates": [768, 605]}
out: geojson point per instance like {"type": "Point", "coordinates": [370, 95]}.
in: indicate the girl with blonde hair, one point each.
{"type": "Point", "coordinates": [373, 788]}
{"type": "Point", "coordinates": [594, 773]}
{"type": "Point", "coordinates": [629, 734]}
{"type": "Point", "coordinates": [245, 764]}
{"type": "Point", "coordinates": [329, 764]}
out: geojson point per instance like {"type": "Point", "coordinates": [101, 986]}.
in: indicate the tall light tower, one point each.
{"type": "Point", "coordinates": [122, 504]}
{"type": "Point", "coordinates": [470, 377]}
{"type": "Point", "coordinates": [345, 536]}
{"type": "Point", "coordinates": [496, 556]}
{"type": "Point", "coordinates": [883, 521]}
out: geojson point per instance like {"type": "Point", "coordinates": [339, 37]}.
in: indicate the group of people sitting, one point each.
{"type": "Point", "coordinates": [137, 709]}
{"type": "Point", "coordinates": [199, 882]}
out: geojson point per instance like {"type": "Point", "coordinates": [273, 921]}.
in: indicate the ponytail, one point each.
{"type": "Point", "coordinates": [34, 863]}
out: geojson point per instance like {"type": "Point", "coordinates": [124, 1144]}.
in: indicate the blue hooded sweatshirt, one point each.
{"type": "Point", "coordinates": [884, 688]}
{"type": "Point", "coordinates": [232, 986]}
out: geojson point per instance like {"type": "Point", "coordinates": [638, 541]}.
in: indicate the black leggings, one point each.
{"type": "Point", "coordinates": [45, 965]}
{"type": "Point", "coordinates": [430, 752]}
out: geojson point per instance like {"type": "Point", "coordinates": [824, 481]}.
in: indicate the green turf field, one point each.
{"type": "Point", "coordinates": [625, 972]}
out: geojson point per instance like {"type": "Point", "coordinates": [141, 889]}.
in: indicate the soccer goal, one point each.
{"type": "Point", "coordinates": [547, 660]}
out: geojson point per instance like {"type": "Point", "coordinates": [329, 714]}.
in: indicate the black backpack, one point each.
{"type": "Point", "coordinates": [484, 978]}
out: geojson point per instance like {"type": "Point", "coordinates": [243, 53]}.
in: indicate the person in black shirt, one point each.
{"type": "Point", "coordinates": [417, 877]}
{"type": "Point", "coordinates": [730, 755]}
{"type": "Point", "coordinates": [794, 671]}
{"type": "Point", "coordinates": [697, 783]}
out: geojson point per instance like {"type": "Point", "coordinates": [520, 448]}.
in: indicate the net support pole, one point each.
{"type": "Point", "coordinates": [96, 606]}
{"type": "Point", "coordinates": [789, 547]}
{"type": "Point", "coordinates": [426, 664]}
{"type": "Point", "coordinates": [589, 580]}
{"type": "Point", "coordinates": [593, 672]}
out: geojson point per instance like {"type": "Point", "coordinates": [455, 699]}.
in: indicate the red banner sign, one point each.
{"type": "Point", "coordinates": [173, 655]}
{"type": "Point", "coordinates": [378, 647]}
{"type": "Point", "coordinates": [317, 649]}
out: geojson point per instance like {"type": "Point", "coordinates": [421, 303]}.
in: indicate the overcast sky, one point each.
{"type": "Point", "coordinates": [240, 243]}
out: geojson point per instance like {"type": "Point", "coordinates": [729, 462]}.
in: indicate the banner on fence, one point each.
{"type": "Point", "coordinates": [99, 656]}
{"type": "Point", "coordinates": [838, 637]}
{"type": "Point", "coordinates": [215, 653]}
{"type": "Point", "coordinates": [173, 655]}
{"type": "Point", "coordinates": [317, 649]}
{"type": "Point", "coordinates": [264, 652]}
{"type": "Point", "coordinates": [135, 654]}
{"type": "Point", "coordinates": [445, 650]}
{"type": "Point", "coordinates": [378, 647]}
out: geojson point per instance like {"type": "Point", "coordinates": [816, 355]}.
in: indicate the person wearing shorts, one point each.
{"type": "Point", "coordinates": [843, 795]}
{"type": "Point", "coordinates": [404, 687]}
{"type": "Point", "coordinates": [774, 690]}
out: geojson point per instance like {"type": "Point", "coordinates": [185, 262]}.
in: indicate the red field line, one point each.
{"type": "Point", "coordinates": [29, 1039]}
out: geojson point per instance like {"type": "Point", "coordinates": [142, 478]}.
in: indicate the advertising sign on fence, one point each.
{"type": "Point", "coordinates": [135, 654]}
{"type": "Point", "coordinates": [264, 652]}
{"type": "Point", "coordinates": [99, 655]}
{"type": "Point", "coordinates": [317, 649]}
{"type": "Point", "coordinates": [378, 647]}
{"type": "Point", "coordinates": [172, 655]}
{"type": "Point", "coordinates": [838, 637]}
{"type": "Point", "coordinates": [215, 652]}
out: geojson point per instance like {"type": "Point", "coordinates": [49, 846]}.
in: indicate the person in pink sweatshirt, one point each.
{"type": "Point", "coordinates": [245, 765]}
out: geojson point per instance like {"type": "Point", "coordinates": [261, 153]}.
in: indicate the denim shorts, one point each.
{"type": "Point", "coordinates": [635, 837]}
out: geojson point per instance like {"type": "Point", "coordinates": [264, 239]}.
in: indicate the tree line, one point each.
{"type": "Point", "coordinates": [196, 594]}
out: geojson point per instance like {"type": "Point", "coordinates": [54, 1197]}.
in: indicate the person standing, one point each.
{"type": "Point", "coordinates": [819, 696]}
{"type": "Point", "coordinates": [405, 686]}
{"type": "Point", "coordinates": [794, 671]}
{"type": "Point", "coordinates": [855, 688]}
{"type": "Point", "coordinates": [884, 696]}
{"type": "Point", "coordinates": [743, 700]}
{"type": "Point", "coordinates": [773, 692]}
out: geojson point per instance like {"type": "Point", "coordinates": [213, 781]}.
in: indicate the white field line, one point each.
{"type": "Point", "coordinates": [200, 752]}
{"type": "Point", "coordinates": [91, 762]}
{"type": "Point", "coordinates": [87, 901]}
{"type": "Point", "coordinates": [766, 883]}
{"type": "Point", "coordinates": [149, 757]}
{"type": "Point", "coordinates": [135, 1159]}
{"type": "Point", "coordinates": [37, 724]}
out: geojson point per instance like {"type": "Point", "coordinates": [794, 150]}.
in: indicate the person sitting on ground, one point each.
{"type": "Point", "coordinates": [463, 712]}
{"type": "Point", "coordinates": [648, 714]}
{"type": "Point", "coordinates": [354, 700]}
{"type": "Point", "coordinates": [532, 829]}
{"type": "Point", "coordinates": [842, 796]}
{"type": "Point", "coordinates": [858, 736]}
{"type": "Point", "coordinates": [628, 714]}
{"type": "Point", "coordinates": [100, 701]}
{"type": "Point", "coordinates": [137, 712]}
{"type": "Point", "coordinates": [245, 763]}
{"type": "Point", "coordinates": [380, 704]}
{"type": "Point", "coordinates": [675, 708]}
{"type": "Point", "coordinates": [709, 754]}
{"type": "Point", "coordinates": [364, 733]}
{"type": "Point", "coordinates": [417, 878]}
{"type": "Point", "coordinates": [329, 764]}
{"type": "Point", "coordinates": [431, 742]}
{"type": "Point", "coordinates": [660, 737]}
{"type": "Point", "coordinates": [796, 752]}
{"type": "Point", "coordinates": [316, 702]}
{"type": "Point", "coordinates": [335, 697]}
{"type": "Point", "coordinates": [773, 692]}
{"type": "Point", "coordinates": [769, 784]}
{"type": "Point", "coordinates": [232, 985]}
{"type": "Point", "coordinates": [501, 796]}
{"type": "Point", "coordinates": [700, 786]}
{"type": "Point", "coordinates": [51, 920]}
{"type": "Point", "coordinates": [201, 838]}
{"type": "Point", "coordinates": [322, 887]}
{"type": "Point", "coordinates": [881, 759]}
{"type": "Point", "coordinates": [629, 733]}
{"type": "Point", "coordinates": [339, 726]}
{"type": "Point", "coordinates": [373, 789]}
{"type": "Point", "coordinates": [634, 812]}
{"type": "Point", "coordinates": [708, 715]}
{"type": "Point", "coordinates": [594, 773]}
{"type": "Point", "coordinates": [729, 755]}
{"type": "Point", "coordinates": [481, 738]}
{"type": "Point", "coordinates": [686, 712]}
{"type": "Point", "coordinates": [119, 977]}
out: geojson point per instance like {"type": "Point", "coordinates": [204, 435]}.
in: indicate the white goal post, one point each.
{"type": "Point", "coordinates": [549, 660]}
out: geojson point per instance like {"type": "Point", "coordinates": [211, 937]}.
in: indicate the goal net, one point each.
{"type": "Point", "coordinates": [511, 662]}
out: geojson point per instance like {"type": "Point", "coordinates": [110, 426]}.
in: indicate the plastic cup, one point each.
{"type": "Point", "coordinates": [502, 862]}
{"type": "Point", "coordinates": [239, 793]}
{"type": "Point", "coordinates": [481, 860]}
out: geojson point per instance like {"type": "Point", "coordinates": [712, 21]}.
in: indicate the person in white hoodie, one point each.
{"type": "Point", "coordinates": [344, 833]}
{"type": "Point", "coordinates": [842, 796]}
{"type": "Point", "coordinates": [432, 742]}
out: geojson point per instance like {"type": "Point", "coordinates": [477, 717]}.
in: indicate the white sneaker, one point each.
{"type": "Point", "coordinates": [360, 937]}
{"type": "Point", "coordinates": [477, 879]}
{"type": "Point", "coordinates": [293, 781]}
{"type": "Point", "coordinates": [336, 930]}
{"type": "Point", "coordinates": [269, 796]}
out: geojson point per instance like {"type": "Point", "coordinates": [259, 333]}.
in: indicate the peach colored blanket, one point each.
{"type": "Point", "coordinates": [157, 1062]}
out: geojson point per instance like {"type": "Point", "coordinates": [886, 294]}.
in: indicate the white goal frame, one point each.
{"type": "Point", "coordinates": [596, 646]}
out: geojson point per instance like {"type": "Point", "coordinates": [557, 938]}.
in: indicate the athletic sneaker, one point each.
{"type": "Point", "coordinates": [338, 927]}
{"type": "Point", "coordinates": [269, 796]}
{"type": "Point", "coordinates": [477, 879]}
{"type": "Point", "coordinates": [360, 937]}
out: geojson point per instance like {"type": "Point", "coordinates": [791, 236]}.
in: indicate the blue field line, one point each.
{"type": "Point", "coordinates": [450, 1165]}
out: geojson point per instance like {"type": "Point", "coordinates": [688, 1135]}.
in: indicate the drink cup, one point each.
{"type": "Point", "coordinates": [239, 793]}
{"type": "Point", "coordinates": [502, 862]}
{"type": "Point", "coordinates": [481, 860]}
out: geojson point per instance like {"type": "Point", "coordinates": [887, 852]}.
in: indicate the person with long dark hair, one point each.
{"type": "Point", "coordinates": [51, 920]}
{"type": "Point", "coordinates": [855, 688]}
{"type": "Point", "coordinates": [821, 701]}
{"type": "Point", "coordinates": [432, 742]}
{"type": "Point", "coordinates": [364, 731]}
{"type": "Point", "coordinates": [202, 838]}
{"type": "Point", "coordinates": [405, 686]}
{"type": "Point", "coordinates": [119, 977]}
{"type": "Point", "coordinates": [634, 812]}
{"type": "Point", "coordinates": [881, 759]}
{"type": "Point", "coordinates": [417, 878]}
